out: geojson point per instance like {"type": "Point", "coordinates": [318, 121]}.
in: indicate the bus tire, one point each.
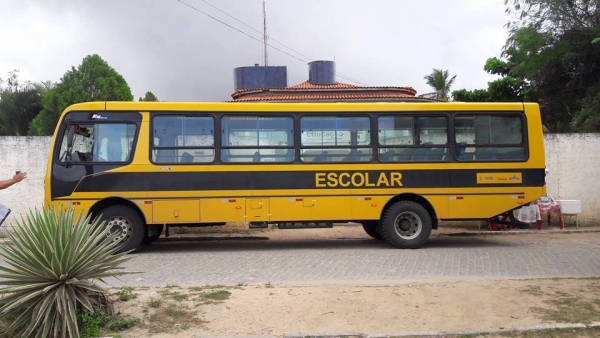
{"type": "Point", "coordinates": [406, 225]}
{"type": "Point", "coordinates": [128, 223]}
{"type": "Point", "coordinates": [372, 229]}
{"type": "Point", "coordinates": [149, 239]}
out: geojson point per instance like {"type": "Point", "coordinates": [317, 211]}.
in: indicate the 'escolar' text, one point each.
{"type": "Point", "coordinates": [333, 180]}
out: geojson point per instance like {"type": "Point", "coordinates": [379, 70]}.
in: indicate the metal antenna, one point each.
{"type": "Point", "coordinates": [265, 34]}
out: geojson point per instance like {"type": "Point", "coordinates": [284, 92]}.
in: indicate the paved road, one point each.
{"type": "Point", "coordinates": [356, 259]}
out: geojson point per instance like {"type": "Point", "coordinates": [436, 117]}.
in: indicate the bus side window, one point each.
{"type": "Point", "coordinates": [321, 157]}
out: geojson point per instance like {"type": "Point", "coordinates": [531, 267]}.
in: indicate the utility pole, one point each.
{"type": "Point", "coordinates": [265, 34]}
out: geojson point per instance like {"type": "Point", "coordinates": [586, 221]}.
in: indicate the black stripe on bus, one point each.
{"type": "Point", "coordinates": [155, 198]}
{"type": "Point", "coordinates": [290, 180]}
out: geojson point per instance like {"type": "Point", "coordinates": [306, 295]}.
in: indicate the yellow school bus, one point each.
{"type": "Point", "coordinates": [397, 168]}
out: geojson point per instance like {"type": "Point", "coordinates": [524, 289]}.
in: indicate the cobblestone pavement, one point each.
{"type": "Point", "coordinates": [353, 258]}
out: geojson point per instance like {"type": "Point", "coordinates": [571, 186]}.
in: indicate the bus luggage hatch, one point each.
{"type": "Point", "coordinates": [257, 209]}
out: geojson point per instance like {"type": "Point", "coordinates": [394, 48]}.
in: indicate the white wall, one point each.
{"type": "Point", "coordinates": [28, 154]}
{"type": "Point", "coordinates": [572, 159]}
{"type": "Point", "coordinates": [574, 164]}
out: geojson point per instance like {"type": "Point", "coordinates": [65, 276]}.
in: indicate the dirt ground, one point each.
{"type": "Point", "coordinates": [428, 305]}
{"type": "Point", "coordinates": [423, 306]}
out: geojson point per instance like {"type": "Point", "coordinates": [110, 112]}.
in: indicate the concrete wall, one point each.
{"type": "Point", "coordinates": [573, 161]}
{"type": "Point", "coordinates": [28, 154]}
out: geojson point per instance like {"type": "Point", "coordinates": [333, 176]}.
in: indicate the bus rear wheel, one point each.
{"type": "Point", "coordinates": [406, 225]}
{"type": "Point", "coordinates": [127, 224]}
{"type": "Point", "coordinates": [372, 229]}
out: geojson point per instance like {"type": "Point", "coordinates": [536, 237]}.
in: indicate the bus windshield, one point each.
{"type": "Point", "coordinates": [101, 142]}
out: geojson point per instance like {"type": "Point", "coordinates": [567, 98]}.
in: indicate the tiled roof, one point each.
{"type": "Point", "coordinates": [333, 97]}
{"type": "Point", "coordinates": [339, 85]}
{"type": "Point", "coordinates": [308, 85]}
{"type": "Point", "coordinates": [307, 91]}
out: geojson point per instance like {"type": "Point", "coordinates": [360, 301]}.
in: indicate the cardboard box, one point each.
{"type": "Point", "coordinates": [570, 206]}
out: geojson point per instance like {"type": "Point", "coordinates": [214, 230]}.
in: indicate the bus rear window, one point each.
{"type": "Point", "coordinates": [489, 138]}
{"type": "Point", "coordinates": [97, 142]}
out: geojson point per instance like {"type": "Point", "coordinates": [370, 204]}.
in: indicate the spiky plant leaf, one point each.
{"type": "Point", "coordinates": [53, 259]}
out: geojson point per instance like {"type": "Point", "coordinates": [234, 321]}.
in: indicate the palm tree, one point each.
{"type": "Point", "coordinates": [439, 81]}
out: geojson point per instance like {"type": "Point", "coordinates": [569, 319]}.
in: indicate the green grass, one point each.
{"type": "Point", "coordinates": [96, 324]}
{"type": "Point", "coordinates": [533, 290]}
{"type": "Point", "coordinates": [125, 294]}
{"type": "Point", "coordinates": [178, 296]}
{"type": "Point", "coordinates": [155, 303]}
{"type": "Point", "coordinates": [216, 295]}
{"type": "Point", "coordinates": [207, 287]}
{"type": "Point", "coordinates": [172, 319]}
{"type": "Point", "coordinates": [120, 324]}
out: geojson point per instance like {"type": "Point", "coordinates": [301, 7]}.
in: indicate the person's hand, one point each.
{"type": "Point", "coordinates": [19, 177]}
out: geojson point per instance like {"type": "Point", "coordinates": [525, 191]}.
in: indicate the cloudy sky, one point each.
{"type": "Point", "coordinates": [182, 55]}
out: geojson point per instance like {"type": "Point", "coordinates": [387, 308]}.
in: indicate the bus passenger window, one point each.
{"type": "Point", "coordinates": [183, 139]}
{"type": "Point", "coordinates": [403, 138]}
{"type": "Point", "coordinates": [335, 139]}
{"type": "Point", "coordinates": [257, 139]}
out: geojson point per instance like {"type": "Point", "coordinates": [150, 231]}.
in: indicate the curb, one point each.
{"type": "Point", "coordinates": [516, 232]}
{"type": "Point", "coordinates": [425, 334]}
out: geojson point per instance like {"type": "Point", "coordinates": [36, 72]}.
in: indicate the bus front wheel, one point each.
{"type": "Point", "coordinates": [156, 230]}
{"type": "Point", "coordinates": [372, 229]}
{"type": "Point", "coordinates": [406, 225]}
{"type": "Point", "coordinates": [127, 224]}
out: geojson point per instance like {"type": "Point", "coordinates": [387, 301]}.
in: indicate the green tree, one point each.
{"type": "Point", "coordinates": [441, 82]}
{"type": "Point", "coordinates": [476, 95]}
{"type": "Point", "coordinates": [553, 43]}
{"type": "Point", "coordinates": [93, 80]}
{"type": "Point", "coordinates": [19, 105]}
{"type": "Point", "coordinates": [508, 88]}
{"type": "Point", "coordinates": [150, 97]}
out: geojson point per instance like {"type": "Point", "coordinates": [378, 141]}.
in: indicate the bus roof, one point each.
{"type": "Point", "coordinates": [296, 106]}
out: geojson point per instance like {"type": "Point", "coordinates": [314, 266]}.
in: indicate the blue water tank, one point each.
{"type": "Point", "coordinates": [321, 72]}
{"type": "Point", "coordinates": [259, 77]}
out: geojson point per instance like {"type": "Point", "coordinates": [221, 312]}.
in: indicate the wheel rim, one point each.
{"type": "Point", "coordinates": [120, 226]}
{"type": "Point", "coordinates": [408, 225]}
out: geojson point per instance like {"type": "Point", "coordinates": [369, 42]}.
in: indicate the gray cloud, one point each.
{"type": "Point", "coordinates": [181, 55]}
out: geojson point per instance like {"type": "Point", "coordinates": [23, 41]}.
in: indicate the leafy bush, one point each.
{"type": "Point", "coordinates": [92, 324]}
{"type": "Point", "coordinates": [53, 260]}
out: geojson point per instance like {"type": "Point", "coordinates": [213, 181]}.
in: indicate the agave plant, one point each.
{"type": "Point", "coordinates": [53, 259]}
